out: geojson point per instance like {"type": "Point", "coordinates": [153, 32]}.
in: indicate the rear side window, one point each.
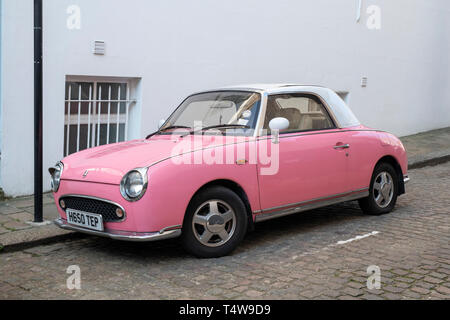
{"type": "Point", "coordinates": [304, 112]}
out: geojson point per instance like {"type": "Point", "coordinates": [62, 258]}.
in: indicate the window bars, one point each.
{"type": "Point", "coordinates": [96, 113]}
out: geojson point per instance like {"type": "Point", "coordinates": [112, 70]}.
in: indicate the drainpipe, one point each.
{"type": "Point", "coordinates": [358, 12]}
{"type": "Point", "coordinates": [38, 216]}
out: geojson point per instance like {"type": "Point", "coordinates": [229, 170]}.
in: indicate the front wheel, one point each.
{"type": "Point", "coordinates": [215, 223]}
{"type": "Point", "coordinates": [383, 191]}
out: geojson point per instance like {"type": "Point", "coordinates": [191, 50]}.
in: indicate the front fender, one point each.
{"type": "Point", "coordinates": [392, 146]}
{"type": "Point", "coordinates": [171, 186]}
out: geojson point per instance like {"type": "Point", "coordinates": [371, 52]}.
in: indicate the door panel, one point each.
{"type": "Point", "coordinates": [310, 167]}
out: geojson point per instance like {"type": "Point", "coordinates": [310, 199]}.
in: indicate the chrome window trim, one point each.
{"type": "Point", "coordinates": [98, 199]}
{"type": "Point", "coordinates": [262, 93]}
{"type": "Point", "coordinates": [262, 110]}
{"type": "Point", "coordinates": [262, 113]}
{"type": "Point", "coordinates": [166, 233]}
{"type": "Point", "coordinates": [276, 90]}
{"type": "Point", "coordinates": [315, 132]}
{"type": "Point", "coordinates": [288, 209]}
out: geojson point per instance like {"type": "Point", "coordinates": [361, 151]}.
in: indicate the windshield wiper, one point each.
{"type": "Point", "coordinates": [218, 126]}
{"type": "Point", "coordinates": [168, 128]}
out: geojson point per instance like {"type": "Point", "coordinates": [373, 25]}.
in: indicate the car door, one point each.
{"type": "Point", "coordinates": [312, 154]}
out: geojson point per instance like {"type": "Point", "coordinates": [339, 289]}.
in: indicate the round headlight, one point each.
{"type": "Point", "coordinates": [134, 184]}
{"type": "Point", "coordinates": [56, 173]}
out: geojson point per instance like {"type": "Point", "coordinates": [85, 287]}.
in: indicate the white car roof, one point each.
{"type": "Point", "coordinates": [341, 112]}
{"type": "Point", "coordinates": [270, 87]}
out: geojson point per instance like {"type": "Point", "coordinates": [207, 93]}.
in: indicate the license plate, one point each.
{"type": "Point", "coordinates": [85, 219]}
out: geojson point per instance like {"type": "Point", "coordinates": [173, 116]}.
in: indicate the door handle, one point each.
{"type": "Point", "coordinates": [342, 146]}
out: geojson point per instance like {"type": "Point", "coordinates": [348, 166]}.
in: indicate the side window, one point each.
{"type": "Point", "coordinates": [304, 112]}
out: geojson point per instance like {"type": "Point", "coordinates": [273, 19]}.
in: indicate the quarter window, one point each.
{"type": "Point", "coordinates": [304, 112]}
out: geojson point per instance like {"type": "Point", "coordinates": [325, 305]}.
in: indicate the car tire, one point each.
{"type": "Point", "coordinates": [383, 191]}
{"type": "Point", "coordinates": [207, 232]}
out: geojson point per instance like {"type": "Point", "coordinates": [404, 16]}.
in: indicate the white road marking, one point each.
{"type": "Point", "coordinates": [336, 244]}
{"type": "Point", "coordinates": [358, 238]}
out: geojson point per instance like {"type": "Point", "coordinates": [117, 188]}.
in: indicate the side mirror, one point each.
{"type": "Point", "coordinates": [161, 122]}
{"type": "Point", "coordinates": [277, 124]}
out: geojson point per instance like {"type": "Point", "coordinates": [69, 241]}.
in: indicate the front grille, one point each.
{"type": "Point", "coordinates": [105, 209]}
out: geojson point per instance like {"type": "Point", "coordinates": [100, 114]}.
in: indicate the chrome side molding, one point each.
{"type": "Point", "coordinates": [312, 204]}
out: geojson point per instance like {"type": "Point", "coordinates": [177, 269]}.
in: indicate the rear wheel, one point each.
{"type": "Point", "coordinates": [215, 223]}
{"type": "Point", "coordinates": [383, 191]}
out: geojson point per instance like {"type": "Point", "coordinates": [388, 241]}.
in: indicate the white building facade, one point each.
{"type": "Point", "coordinates": [114, 68]}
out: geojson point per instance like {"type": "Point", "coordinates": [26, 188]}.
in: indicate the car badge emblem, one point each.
{"type": "Point", "coordinates": [241, 162]}
{"type": "Point", "coordinates": [85, 173]}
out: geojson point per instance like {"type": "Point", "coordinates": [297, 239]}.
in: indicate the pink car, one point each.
{"type": "Point", "coordinates": [225, 160]}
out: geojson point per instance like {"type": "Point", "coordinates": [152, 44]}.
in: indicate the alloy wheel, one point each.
{"type": "Point", "coordinates": [214, 223]}
{"type": "Point", "coordinates": [383, 189]}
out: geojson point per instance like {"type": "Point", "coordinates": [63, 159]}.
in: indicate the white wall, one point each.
{"type": "Point", "coordinates": [178, 46]}
{"type": "Point", "coordinates": [1, 41]}
{"type": "Point", "coordinates": [17, 97]}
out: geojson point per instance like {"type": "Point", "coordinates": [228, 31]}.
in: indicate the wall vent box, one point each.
{"type": "Point", "coordinates": [99, 47]}
{"type": "Point", "coordinates": [364, 82]}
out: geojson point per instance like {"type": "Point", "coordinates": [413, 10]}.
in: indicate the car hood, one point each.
{"type": "Point", "coordinates": [109, 163]}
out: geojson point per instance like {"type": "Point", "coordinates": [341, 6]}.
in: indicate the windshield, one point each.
{"type": "Point", "coordinates": [220, 108]}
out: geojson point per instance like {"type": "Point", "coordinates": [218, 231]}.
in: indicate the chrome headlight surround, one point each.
{"type": "Point", "coordinates": [137, 177]}
{"type": "Point", "coordinates": [56, 173]}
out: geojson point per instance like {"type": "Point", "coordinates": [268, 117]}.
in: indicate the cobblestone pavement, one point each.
{"type": "Point", "coordinates": [15, 213]}
{"type": "Point", "coordinates": [306, 256]}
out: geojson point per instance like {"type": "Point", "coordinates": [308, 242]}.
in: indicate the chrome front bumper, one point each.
{"type": "Point", "coordinates": [123, 235]}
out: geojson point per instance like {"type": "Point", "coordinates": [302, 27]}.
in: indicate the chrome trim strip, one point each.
{"type": "Point", "coordinates": [313, 200]}
{"type": "Point", "coordinates": [309, 204]}
{"type": "Point", "coordinates": [178, 226]}
{"type": "Point", "coordinates": [315, 132]}
{"type": "Point", "coordinates": [406, 179]}
{"type": "Point", "coordinates": [95, 198]}
{"type": "Point", "coordinates": [165, 233]}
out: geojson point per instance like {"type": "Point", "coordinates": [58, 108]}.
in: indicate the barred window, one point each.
{"type": "Point", "coordinates": [96, 113]}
